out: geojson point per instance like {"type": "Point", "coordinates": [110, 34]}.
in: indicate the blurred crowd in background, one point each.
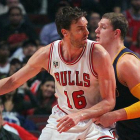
{"type": "Point", "coordinates": [26, 26]}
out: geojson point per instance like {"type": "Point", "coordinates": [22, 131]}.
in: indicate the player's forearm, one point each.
{"type": "Point", "coordinates": [118, 115]}
{"type": "Point", "coordinates": [130, 112]}
{"type": "Point", "coordinates": [97, 110]}
{"type": "Point", "coordinates": [6, 85]}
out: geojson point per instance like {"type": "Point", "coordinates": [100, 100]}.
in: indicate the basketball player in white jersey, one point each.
{"type": "Point", "coordinates": [84, 78]}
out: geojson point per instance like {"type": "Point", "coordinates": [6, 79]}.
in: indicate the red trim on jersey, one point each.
{"type": "Point", "coordinates": [50, 57]}
{"type": "Point", "coordinates": [91, 61]}
{"type": "Point", "coordinates": [108, 138]}
{"type": "Point", "coordinates": [61, 109]}
{"type": "Point", "coordinates": [66, 62]}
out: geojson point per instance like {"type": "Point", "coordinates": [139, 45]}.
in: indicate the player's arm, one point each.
{"type": "Point", "coordinates": [128, 73]}
{"type": "Point", "coordinates": [106, 77]}
{"type": "Point", "coordinates": [33, 67]}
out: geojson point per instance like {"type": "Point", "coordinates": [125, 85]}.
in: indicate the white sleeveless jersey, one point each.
{"type": "Point", "coordinates": [77, 85]}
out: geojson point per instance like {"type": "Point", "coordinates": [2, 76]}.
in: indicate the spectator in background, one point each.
{"type": "Point", "coordinates": [13, 128]}
{"type": "Point", "coordinates": [4, 17]}
{"type": "Point", "coordinates": [16, 107]}
{"type": "Point", "coordinates": [5, 134]}
{"type": "Point", "coordinates": [46, 96]}
{"type": "Point", "coordinates": [28, 48]}
{"type": "Point", "coordinates": [136, 47]}
{"type": "Point", "coordinates": [4, 63]}
{"type": "Point", "coordinates": [49, 32]}
{"type": "Point", "coordinates": [93, 24]}
{"type": "Point", "coordinates": [15, 65]}
{"type": "Point", "coordinates": [133, 17]}
{"type": "Point", "coordinates": [117, 9]}
{"type": "Point", "coordinates": [17, 31]}
{"type": "Point", "coordinates": [11, 3]}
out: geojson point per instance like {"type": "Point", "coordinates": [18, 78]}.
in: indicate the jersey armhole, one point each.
{"type": "Point", "coordinates": [91, 61]}
{"type": "Point", "coordinates": [50, 57]}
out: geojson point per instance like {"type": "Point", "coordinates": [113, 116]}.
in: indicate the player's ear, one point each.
{"type": "Point", "coordinates": [117, 33]}
{"type": "Point", "coordinates": [64, 32]}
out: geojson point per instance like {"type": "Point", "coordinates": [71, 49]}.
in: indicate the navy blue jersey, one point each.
{"type": "Point", "coordinates": [129, 129]}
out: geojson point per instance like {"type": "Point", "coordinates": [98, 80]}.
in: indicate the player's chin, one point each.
{"type": "Point", "coordinates": [97, 40]}
{"type": "Point", "coordinates": [84, 41]}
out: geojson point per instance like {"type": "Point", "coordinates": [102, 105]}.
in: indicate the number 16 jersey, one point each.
{"type": "Point", "coordinates": [76, 83]}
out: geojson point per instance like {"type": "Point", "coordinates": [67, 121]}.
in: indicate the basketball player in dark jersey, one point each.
{"type": "Point", "coordinates": [110, 33]}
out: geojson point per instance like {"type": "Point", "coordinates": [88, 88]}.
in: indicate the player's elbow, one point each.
{"type": "Point", "coordinates": [109, 104]}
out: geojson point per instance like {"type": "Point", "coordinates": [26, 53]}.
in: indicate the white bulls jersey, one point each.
{"type": "Point", "coordinates": [76, 83]}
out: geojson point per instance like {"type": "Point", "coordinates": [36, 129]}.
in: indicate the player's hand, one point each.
{"type": "Point", "coordinates": [67, 122]}
{"type": "Point", "coordinates": [105, 120]}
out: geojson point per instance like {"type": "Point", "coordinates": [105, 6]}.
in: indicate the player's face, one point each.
{"type": "Point", "coordinates": [104, 32]}
{"type": "Point", "coordinates": [48, 89]}
{"type": "Point", "coordinates": [78, 32]}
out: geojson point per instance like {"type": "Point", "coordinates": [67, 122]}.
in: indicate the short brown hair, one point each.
{"type": "Point", "coordinates": [66, 16]}
{"type": "Point", "coordinates": [118, 21]}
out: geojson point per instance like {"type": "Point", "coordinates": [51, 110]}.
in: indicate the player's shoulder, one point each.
{"type": "Point", "coordinates": [44, 50]}
{"type": "Point", "coordinates": [99, 53]}
{"type": "Point", "coordinates": [129, 60]}
{"type": "Point", "coordinates": [41, 54]}
{"type": "Point", "coordinates": [99, 50]}
{"type": "Point", "coordinates": [40, 57]}
{"type": "Point", "coordinates": [128, 64]}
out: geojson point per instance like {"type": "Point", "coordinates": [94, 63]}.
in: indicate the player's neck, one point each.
{"type": "Point", "coordinates": [70, 52]}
